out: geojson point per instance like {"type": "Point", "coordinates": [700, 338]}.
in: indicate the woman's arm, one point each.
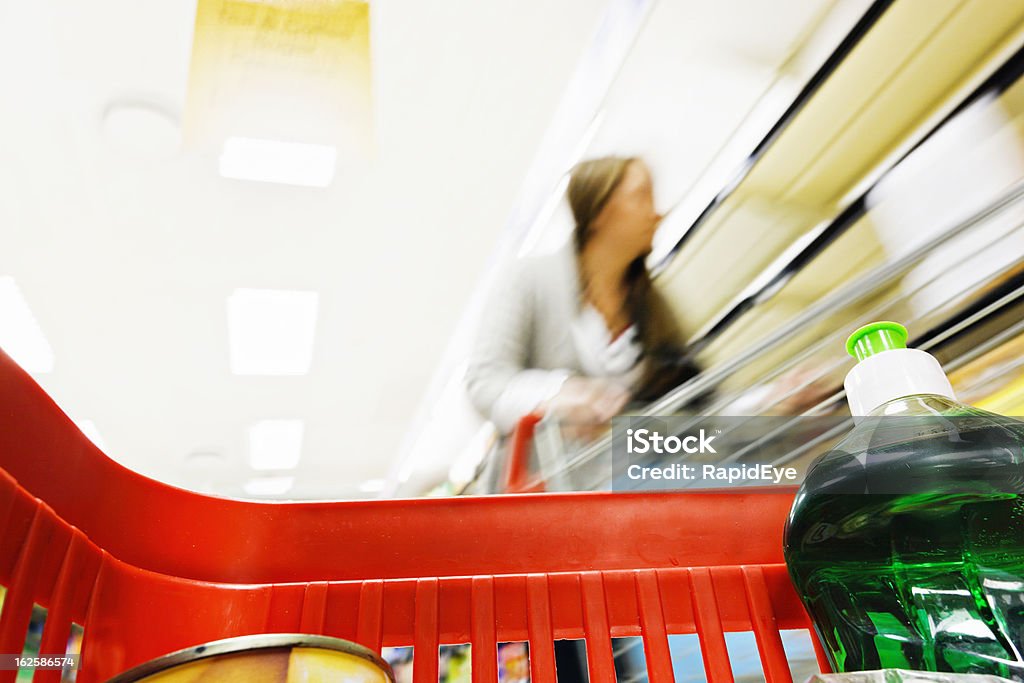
{"type": "Point", "coordinates": [500, 385]}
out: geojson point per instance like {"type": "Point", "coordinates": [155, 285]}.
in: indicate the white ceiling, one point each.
{"type": "Point", "coordinates": [127, 260]}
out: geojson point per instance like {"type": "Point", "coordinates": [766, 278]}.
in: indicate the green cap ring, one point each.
{"type": "Point", "coordinates": [875, 338]}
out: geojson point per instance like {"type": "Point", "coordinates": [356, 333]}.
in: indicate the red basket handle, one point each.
{"type": "Point", "coordinates": [517, 473]}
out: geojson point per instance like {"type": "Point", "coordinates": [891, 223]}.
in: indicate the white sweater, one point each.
{"type": "Point", "coordinates": [534, 333]}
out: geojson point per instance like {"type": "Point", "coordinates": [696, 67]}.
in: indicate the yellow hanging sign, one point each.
{"type": "Point", "coordinates": [289, 71]}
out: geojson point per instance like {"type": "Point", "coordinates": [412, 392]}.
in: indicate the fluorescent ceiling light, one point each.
{"type": "Point", "coordinates": [275, 444]}
{"type": "Point", "coordinates": [88, 427]}
{"type": "Point", "coordinates": [20, 335]}
{"type": "Point", "coordinates": [373, 485]}
{"type": "Point", "coordinates": [274, 161]}
{"type": "Point", "coordinates": [271, 331]}
{"type": "Point", "coordinates": [268, 486]}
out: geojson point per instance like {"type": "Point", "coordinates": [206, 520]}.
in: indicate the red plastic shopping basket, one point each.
{"type": "Point", "coordinates": [148, 568]}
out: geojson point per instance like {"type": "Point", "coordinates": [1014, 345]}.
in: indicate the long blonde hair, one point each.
{"type": "Point", "coordinates": [590, 187]}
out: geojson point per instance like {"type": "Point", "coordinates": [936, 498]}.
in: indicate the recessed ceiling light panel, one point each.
{"type": "Point", "coordinates": [268, 486]}
{"type": "Point", "coordinates": [274, 161]}
{"type": "Point", "coordinates": [271, 331]}
{"type": "Point", "coordinates": [275, 444]}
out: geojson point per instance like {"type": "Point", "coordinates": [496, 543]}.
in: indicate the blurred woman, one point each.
{"type": "Point", "coordinates": [578, 333]}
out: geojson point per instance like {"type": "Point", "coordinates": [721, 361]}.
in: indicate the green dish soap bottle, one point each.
{"type": "Point", "coordinates": [906, 541]}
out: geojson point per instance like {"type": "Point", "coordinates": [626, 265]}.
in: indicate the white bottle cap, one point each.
{"type": "Point", "coordinates": [888, 370]}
